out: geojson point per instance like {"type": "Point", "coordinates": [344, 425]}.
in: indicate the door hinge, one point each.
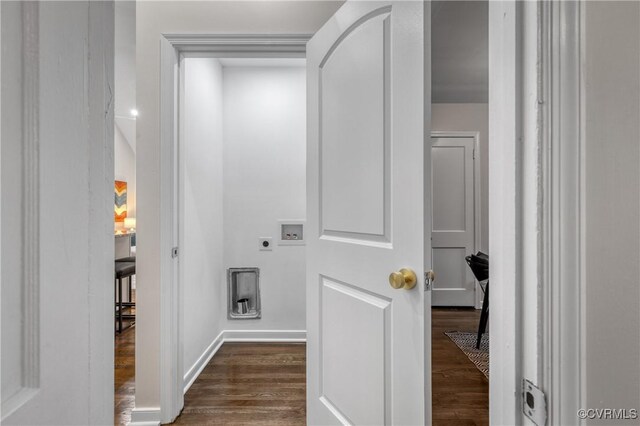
{"type": "Point", "coordinates": [534, 403]}
{"type": "Point", "coordinates": [174, 252]}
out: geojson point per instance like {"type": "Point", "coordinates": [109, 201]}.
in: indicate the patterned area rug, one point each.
{"type": "Point", "coordinates": [467, 342]}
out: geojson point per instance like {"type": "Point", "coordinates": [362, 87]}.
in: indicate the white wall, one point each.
{"type": "Point", "coordinates": [125, 59]}
{"type": "Point", "coordinates": [152, 20]}
{"type": "Point", "coordinates": [201, 268]}
{"type": "Point", "coordinates": [612, 205]}
{"type": "Point", "coordinates": [242, 169]}
{"type": "Point", "coordinates": [124, 159]}
{"type": "Point", "coordinates": [67, 272]}
{"type": "Point", "coordinates": [264, 181]}
{"type": "Point", "coordinates": [459, 51]}
{"type": "Point", "coordinates": [125, 99]}
{"type": "Point", "coordinates": [472, 118]}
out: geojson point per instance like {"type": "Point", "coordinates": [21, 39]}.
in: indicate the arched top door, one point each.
{"type": "Point", "coordinates": [368, 342]}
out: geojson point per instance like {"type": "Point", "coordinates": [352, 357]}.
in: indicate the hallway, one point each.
{"type": "Point", "coordinates": [265, 384]}
{"type": "Point", "coordinates": [460, 390]}
{"type": "Point", "coordinates": [124, 376]}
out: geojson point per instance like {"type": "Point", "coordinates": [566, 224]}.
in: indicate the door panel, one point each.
{"type": "Point", "coordinates": [355, 170]}
{"type": "Point", "coordinates": [365, 400]}
{"type": "Point", "coordinates": [452, 220]}
{"type": "Point", "coordinates": [449, 188]}
{"type": "Point", "coordinates": [367, 352]}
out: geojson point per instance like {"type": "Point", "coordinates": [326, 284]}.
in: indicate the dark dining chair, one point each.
{"type": "Point", "coordinates": [479, 265]}
{"type": "Point", "coordinates": [125, 268]}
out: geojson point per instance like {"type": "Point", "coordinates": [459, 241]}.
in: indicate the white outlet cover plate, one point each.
{"type": "Point", "coordinates": [261, 241]}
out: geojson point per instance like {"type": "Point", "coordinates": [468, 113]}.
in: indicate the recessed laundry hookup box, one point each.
{"type": "Point", "coordinates": [243, 289]}
{"type": "Point", "coordinates": [290, 232]}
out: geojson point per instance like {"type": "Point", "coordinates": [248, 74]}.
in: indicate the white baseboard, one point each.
{"type": "Point", "coordinates": [264, 336]}
{"type": "Point", "coordinates": [289, 336]}
{"type": "Point", "coordinates": [145, 416]}
{"type": "Point", "coordinates": [195, 370]}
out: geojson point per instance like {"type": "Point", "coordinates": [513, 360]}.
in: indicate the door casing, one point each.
{"type": "Point", "coordinates": [173, 46]}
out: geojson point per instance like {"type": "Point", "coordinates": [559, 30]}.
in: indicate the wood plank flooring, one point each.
{"type": "Point", "coordinates": [124, 375]}
{"type": "Point", "coordinates": [250, 384]}
{"type": "Point", "coordinates": [264, 384]}
{"type": "Point", "coordinates": [460, 390]}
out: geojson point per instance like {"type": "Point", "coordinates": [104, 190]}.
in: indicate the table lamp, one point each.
{"type": "Point", "coordinates": [130, 223]}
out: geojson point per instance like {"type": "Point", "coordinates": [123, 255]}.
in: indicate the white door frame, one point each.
{"type": "Point", "coordinates": [506, 117]}
{"type": "Point", "coordinates": [506, 45]}
{"type": "Point", "coordinates": [172, 46]}
{"type": "Point", "coordinates": [477, 193]}
{"type": "Point", "coordinates": [535, 99]}
{"type": "Point", "coordinates": [563, 214]}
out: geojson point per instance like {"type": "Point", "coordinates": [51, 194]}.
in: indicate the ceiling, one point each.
{"type": "Point", "coordinates": [459, 36]}
{"type": "Point", "coordinates": [125, 69]}
{"type": "Point", "coordinates": [459, 51]}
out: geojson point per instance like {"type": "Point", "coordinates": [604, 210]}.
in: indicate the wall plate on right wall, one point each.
{"type": "Point", "coordinates": [290, 232]}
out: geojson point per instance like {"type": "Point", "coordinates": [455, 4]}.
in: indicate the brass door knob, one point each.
{"type": "Point", "coordinates": [405, 278]}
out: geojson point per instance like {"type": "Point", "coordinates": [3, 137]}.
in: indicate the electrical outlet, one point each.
{"type": "Point", "coordinates": [265, 243]}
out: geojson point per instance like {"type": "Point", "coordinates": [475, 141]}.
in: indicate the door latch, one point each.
{"type": "Point", "coordinates": [174, 252]}
{"type": "Point", "coordinates": [429, 278]}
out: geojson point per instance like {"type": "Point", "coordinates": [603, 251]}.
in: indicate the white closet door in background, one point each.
{"type": "Point", "coordinates": [452, 230]}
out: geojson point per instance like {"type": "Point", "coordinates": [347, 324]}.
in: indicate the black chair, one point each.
{"type": "Point", "coordinates": [479, 264]}
{"type": "Point", "coordinates": [124, 269]}
{"type": "Point", "coordinates": [128, 259]}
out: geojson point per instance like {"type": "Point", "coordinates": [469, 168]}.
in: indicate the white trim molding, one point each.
{"type": "Point", "coordinates": [202, 361]}
{"type": "Point", "coordinates": [563, 224]}
{"type": "Point", "coordinates": [536, 222]}
{"type": "Point", "coordinates": [171, 384]}
{"type": "Point", "coordinates": [100, 143]}
{"type": "Point", "coordinates": [244, 44]}
{"type": "Point", "coordinates": [505, 200]}
{"type": "Point", "coordinates": [145, 416]}
{"type": "Point", "coordinates": [266, 336]}
{"type": "Point", "coordinates": [30, 253]}
{"type": "Point", "coordinates": [31, 194]}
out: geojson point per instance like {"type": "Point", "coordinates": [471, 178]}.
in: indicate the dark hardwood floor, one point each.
{"type": "Point", "coordinates": [460, 390]}
{"type": "Point", "coordinates": [250, 384]}
{"type": "Point", "coordinates": [264, 384]}
{"type": "Point", "coordinates": [125, 374]}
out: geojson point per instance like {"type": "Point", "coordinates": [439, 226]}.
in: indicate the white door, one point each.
{"type": "Point", "coordinates": [368, 353]}
{"type": "Point", "coordinates": [56, 230]}
{"type": "Point", "coordinates": [453, 229]}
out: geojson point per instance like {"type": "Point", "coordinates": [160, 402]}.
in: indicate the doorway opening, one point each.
{"type": "Point", "coordinates": [125, 253]}
{"type": "Point", "coordinates": [171, 347]}
{"type": "Point", "coordinates": [459, 216]}
{"type": "Point", "coordinates": [241, 228]}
